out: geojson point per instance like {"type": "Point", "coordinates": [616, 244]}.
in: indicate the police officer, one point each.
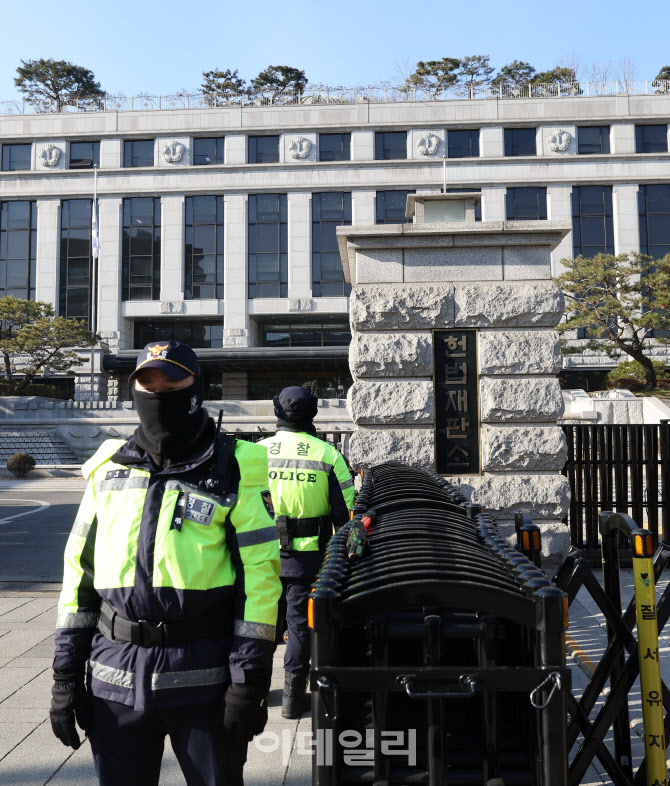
{"type": "Point", "coordinates": [170, 590]}
{"type": "Point", "coordinates": [312, 490]}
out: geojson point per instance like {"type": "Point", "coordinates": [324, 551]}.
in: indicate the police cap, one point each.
{"type": "Point", "coordinates": [174, 358]}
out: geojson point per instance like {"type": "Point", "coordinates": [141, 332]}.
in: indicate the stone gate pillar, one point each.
{"type": "Point", "coordinates": [454, 355]}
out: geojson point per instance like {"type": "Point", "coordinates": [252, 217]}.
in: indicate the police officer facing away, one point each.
{"type": "Point", "coordinates": [312, 490]}
{"type": "Point", "coordinates": [170, 591]}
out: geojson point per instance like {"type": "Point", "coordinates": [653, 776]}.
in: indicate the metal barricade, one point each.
{"type": "Point", "coordinates": [438, 651]}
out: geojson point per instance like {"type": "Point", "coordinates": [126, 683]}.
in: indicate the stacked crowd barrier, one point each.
{"type": "Point", "coordinates": [438, 650]}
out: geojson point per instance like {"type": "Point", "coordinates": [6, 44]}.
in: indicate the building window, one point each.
{"type": "Point", "coordinates": [18, 249]}
{"type": "Point", "coordinates": [84, 155]}
{"type": "Point", "coordinates": [331, 383]}
{"type": "Point", "coordinates": [478, 206]}
{"type": "Point", "coordinates": [651, 139]}
{"type": "Point", "coordinates": [268, 246]}
{"type": "Point", "coordinates": [463, 144]}
{"type": "Point", "coordinates": [141, 269]}
{"type": "Point", "coordinates": [592, 225]}
{"type": "Point", "coordinates": [526, 204]}
{"type": "Point", "coordinates": [75, 259]}
{"type": "Point", "coordinates": [390, 145]}
{"type": "Point", "coordinates": [263, 149]}
{"type": "Point", "coordinates": [390, 208]}
{"type": "Point", "coordinates": [138, 152]}
{"type": "Point", "coordinates": [334, 147]}
{"type": "Point", "coordinates": [654, 210]}
{"type": "Point", "coordinates": [207, 151]}
{"type": "Point", "coordinates": [593, 139]}
{"type": "Point", "coordinates": [329, 211]}
{"type": "Point", "coordinates": [197, 334]}
{"type": "Point", "coordinates": [16, 157]}
{"type": "Point", "coordinates": [520, 142]}
{"type": "Point", "coordinates": [204, 248]}
{"type": "Point", "coordinates": [306, 334]}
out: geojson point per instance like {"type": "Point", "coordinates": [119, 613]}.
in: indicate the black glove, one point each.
{"type": "Point", "coordinates": [69, 702]}
{"type": "Point", "coordinates": [245, 710]}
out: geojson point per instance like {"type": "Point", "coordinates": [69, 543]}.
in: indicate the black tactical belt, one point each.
{"type": "Point", "coordinates": [147, 634]}
{"type": "Point", "coordinates": [288, 528]}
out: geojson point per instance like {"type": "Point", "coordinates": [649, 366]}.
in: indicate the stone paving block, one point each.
{"type": "Point", "coordinates": [28, 612]}
{"type": "Point", "coordinates": [45, 649]}
{"type": "Point", "coordinates": [12, 680]}
{"type": "Point", "coordinates": [11, 735]}
{"type": "Point", "coordinates": [35, 759]}
{"type": "Point", "coordinates": [23, 662]}
{"type": "Point", "coordinates": [35, 694]}
{"type": "Point", "coordinates": [8, 604]}
{"type": "Point", "coordinates": [16, 642]}
{"type": "Point", "coordinates": [78, 770]}
{"type": "Point", "coordinates": [23, 714]}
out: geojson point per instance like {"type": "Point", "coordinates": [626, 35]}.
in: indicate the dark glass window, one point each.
{"type": "Point", "coordinates": [138, 152]}
{"type": "Point", "coordinates": [141, 269]}
{"type": "Point", "coordinates": [463, 144]}
{"type": "Point", "coordinates": [478, 206]}
{"type": "Point", "coordinates": [593, 139]}
{"type": "Point", "coordinates": [197, 334]}
{"type": "Point", "coordinates": [654, 210]}
{"type": "Point", "coordinates": [207, 151]}
{"type": "Point", "coordinates": [329, 211]}
{"type": "Point", "coordinates": [526, 204]}
{"type": "Point", "coordinates": [204, 248]}
{"type": "Point", "coordinates": [520, 142]}
{"type": "Point", "coordinates": [84, 155]}
{"type": "Point", "coordinates": [592, 224]}
{"type": "Point", "coordinates": [263, 149]}
{"type": "Point", "coordinates": [651, 139]}
{"type": "Point", "coordinates": [331, 383]}
{"type": "Point", "coordinates": [16, 157]}
{"type": "Point", "coordinates": [75, 259]}
{"type": "Point", "coordinates": [268, 246]}
{"type": "Point", "coordinates": [334, 147]}
{"type": "Point", "coordinates": [390, 208]}
{"type": "Point", "coordinates": [390, 144]}
{"type": "Point", "coordinates": [18, 249]}
{"type": "Point", "coordinates": [306, 334]}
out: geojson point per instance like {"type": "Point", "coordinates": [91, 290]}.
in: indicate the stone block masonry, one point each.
{"type": "Point", "coordinates": [408, 281]}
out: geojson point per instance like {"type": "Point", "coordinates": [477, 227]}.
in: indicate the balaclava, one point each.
{"type": "Point", "coordinates": [295, 408]}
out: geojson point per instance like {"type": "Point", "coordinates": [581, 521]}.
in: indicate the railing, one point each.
{"type": "Point", "coordinates": [624, 468]}
{"type": "Point", "coordinates": [340, 95]}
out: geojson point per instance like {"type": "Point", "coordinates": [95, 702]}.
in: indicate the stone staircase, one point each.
{"type": "Point", "coordinates": [45, 445]}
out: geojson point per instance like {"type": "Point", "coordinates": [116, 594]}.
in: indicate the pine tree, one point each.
{"type": "Point", "coordinates": [48, 82]}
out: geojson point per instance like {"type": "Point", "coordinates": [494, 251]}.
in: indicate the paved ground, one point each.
{"type": "Point", "coordinates": [30, 558]}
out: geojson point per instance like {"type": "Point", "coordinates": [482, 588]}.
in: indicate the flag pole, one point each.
{"type": "Point", "coordinates": [444, 174]}
{"type": "Point", "coordinates": [95, 245]}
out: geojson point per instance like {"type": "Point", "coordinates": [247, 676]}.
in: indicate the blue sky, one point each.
{"type": "Point", "coordinates": [161, 47]}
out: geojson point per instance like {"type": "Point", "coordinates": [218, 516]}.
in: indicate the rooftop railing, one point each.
{"type": "Point", "coordinates": [339, 95]}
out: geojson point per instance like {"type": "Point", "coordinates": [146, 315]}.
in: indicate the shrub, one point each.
{"type": "Point", "coordinates": [630, 383]}
{"type": "Point", "coordinates": [631, 368]}
{"type": "Point", "coordinates": [20, 464]}
{"type": "Point", "coordinates": [46, 391]}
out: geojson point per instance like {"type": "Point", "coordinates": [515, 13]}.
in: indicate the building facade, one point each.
{"type": "Point", "coordinates": [217, 225]}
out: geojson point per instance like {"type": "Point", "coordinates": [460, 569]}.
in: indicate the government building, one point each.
{"type": "Point", "coordinates": [217, 224]}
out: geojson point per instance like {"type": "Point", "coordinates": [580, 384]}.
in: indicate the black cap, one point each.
{"type": "Point", "coordinates": [174, 358]}
{"type": "Point", "coordinates": [295, 404]}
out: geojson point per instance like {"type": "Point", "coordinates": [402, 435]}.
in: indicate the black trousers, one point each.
{"type": "Point", "coordinates": [128, 745]}
{"type": "Point", "coordinates": [296, 657]}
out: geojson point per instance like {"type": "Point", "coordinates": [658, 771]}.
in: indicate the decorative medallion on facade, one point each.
{"type": "Point", "coordinates": [428, 144]}
{"type": "Point", "coordinates": [173, 152]}
{"type": "Point", "coordinates": [558, 140]}
{"type": "Point", "coordinates": [172, 306]}
{"type": "Point", "coordinates": [300, 147]}
{"type": "Point", "coordinates": [299, 304]}
{"type": "Point", "coordinates": [50, 156]}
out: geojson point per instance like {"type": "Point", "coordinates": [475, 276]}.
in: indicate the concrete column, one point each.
{"type": "Point", "coordinates": [362, 145]}
{"type": "Point", "coordinates": [493, 203]}
{"type": "Point", "coordinates": [236, 322]}
{"type": "Point", "coordinates": [172, 248]}
{"type": "Point", "coordinates": [559, 208]}
{"type": "Point", "coordinates": [626, 222]}
{"type": "Point", "coordinates": [299, 244]}
{"type": "Point", "coordinates": [110, 219]}
{"type": "Point", "coordinates": [111, 153]}
{"type": "Point", "coordinates": [235, 149]}
{"type": "Point", "coordinates": [363, 207]}
{"type": "Point", "coordinates": [623, 138]}
{"type": "Point", "coordinates": [48, 251]}
{"type": "Point", "coordinates": [492, 142]}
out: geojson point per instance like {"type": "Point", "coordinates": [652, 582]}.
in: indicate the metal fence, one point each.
{"type": "Point", "coordinates": [339, 95]}
{"type": "Point", "coordinates": [624, 468]}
